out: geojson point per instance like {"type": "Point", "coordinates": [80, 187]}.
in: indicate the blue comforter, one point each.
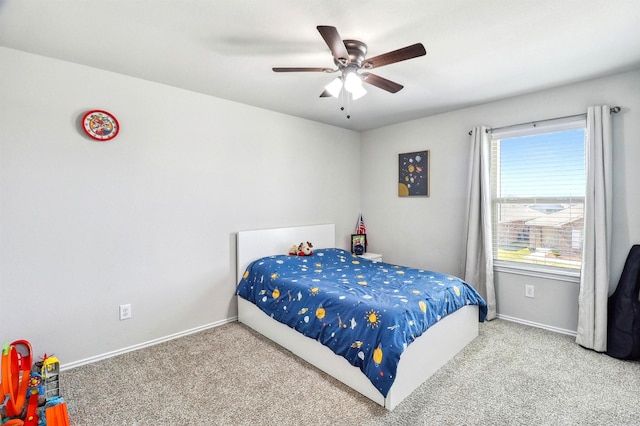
{"type": "Point", "coordinates": [368, 312]}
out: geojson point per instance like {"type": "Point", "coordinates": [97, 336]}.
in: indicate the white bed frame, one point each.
{"type": "Point", "coordinates": [418, 362]}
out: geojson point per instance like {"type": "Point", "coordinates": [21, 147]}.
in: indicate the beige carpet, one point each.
{"type": "Point", "coordinates": [230, 375]}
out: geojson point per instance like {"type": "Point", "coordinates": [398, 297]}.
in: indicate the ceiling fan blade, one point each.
{"type": "Point", "coordinates": [403, 54]}
{"type": "Point", "coordinates": [335, 43]}
{"type": "Point", "coordinates": [328, 70]}
{"type": "Point", "coordinates": [325, 94]}
{"type": "Point", "coordinates": [382, 83]}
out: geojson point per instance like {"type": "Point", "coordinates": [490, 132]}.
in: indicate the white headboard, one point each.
{"type": "Point", "coordinates": [252, 245]}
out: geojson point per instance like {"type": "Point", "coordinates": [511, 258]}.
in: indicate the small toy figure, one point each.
{"type": "Point", "coordinates": [305, 249]}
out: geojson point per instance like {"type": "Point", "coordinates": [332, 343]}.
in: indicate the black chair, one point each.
{"type": "Point", "coordinates": [623, 328]}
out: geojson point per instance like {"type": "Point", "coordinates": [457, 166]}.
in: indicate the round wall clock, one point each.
{"type": "Point", "coordinates": [100, 125]}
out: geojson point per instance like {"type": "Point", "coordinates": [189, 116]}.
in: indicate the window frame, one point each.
{"type": "Point", "coordinates": [531, 129]}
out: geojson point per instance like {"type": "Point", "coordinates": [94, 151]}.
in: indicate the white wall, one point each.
{"type": "Point", "coordinates": [428, 232]}
{"type": "Point", "coordinates": [150, 217]}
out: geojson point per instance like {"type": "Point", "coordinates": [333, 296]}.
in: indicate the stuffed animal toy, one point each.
{"type": "Point", "coordinates": [293, 251]}
{"type": "Point", "coordinates": [305, 249]}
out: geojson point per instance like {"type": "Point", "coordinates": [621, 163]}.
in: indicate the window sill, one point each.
{"type": "Point", "coordinates": [537, 271]}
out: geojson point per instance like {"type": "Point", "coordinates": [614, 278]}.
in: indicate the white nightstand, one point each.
{"type": "Point", "coordinates": [372, 256]}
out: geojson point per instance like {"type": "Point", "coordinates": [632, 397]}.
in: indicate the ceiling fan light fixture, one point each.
{"type": "Point", "coordinates": [358, 92]}
{"type": "Point", "coordinates": [352, 82]}
{"type": "Point", "coordinates": [334, 87]}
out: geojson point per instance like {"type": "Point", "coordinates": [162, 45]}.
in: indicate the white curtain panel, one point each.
{"type": "Point", "coordinates": [594, 275]}
{"type": "Point", "coordinates": [478, 258]}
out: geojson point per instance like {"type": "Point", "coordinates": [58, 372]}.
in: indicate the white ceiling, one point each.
{"type": "Point", "coordinates": [477, 51]}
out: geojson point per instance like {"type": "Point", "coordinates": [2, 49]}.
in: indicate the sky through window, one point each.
{"type": "Point", "coordinates": [546, 165]}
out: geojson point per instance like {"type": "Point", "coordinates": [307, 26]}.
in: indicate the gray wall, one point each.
{"type": "Point", "coordinates": [428, 232]}
{"type": "Point", "coordinates": [150, 217]}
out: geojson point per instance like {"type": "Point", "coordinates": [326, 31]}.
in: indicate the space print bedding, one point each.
{"type": "Point", "coordinates": [367, 312]}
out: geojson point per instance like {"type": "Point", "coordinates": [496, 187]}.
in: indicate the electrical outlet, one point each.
{"type": "Point", "coordinates": [125, 312]}
{"type": "Point", "coordinates": [528, 291]}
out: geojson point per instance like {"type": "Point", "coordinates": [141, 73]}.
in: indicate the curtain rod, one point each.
{"type": "Point", "coordinates": [612, 110]}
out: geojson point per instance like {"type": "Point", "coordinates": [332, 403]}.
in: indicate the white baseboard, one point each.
{"type": "Point", "coordinates": [97, 358]}
{"type": "Point", "coordinates": [536, 324]}
{"type": "Point", "coordinates": [100, 357]}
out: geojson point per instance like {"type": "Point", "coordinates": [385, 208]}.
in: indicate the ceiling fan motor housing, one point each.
{"type": "Point", "coordinates": [357, 51]}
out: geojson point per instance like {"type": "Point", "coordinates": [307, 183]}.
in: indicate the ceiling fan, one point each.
{"type": "Point", "coordinates": [349, 57]}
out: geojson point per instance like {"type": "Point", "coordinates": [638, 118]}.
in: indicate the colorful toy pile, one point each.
{"type": "Point", "coordinates": [30, 392]}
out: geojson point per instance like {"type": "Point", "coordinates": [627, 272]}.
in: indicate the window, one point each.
{"type": "Point", "coordinates": [538, 179]}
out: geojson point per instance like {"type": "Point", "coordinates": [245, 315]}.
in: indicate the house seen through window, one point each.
{"type": "Point", "coordinates": [538, 179]}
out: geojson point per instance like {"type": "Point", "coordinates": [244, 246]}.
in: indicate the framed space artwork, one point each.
{"type": "Point", "coordinates": [413, 174]}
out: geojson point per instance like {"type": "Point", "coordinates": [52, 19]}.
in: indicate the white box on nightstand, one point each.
{"type": "Point", "coordinates": [376, 257]}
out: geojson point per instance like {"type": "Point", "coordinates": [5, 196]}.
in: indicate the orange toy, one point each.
{"type": "Point", "coordinates": [31, 419]}
{"type": "Point", "coordinates": [57, 415]}
{"type": "Point", "coordinates": [16, 377]}
{"type": "Point", "coordinates": [16, 368]}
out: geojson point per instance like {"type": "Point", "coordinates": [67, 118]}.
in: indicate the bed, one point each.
{"type": "Point", "coordinates": [427, 352]}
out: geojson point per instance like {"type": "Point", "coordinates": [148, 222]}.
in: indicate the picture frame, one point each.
{"type": "Point", "coordinates": [358, 243]}
{"type": "Point", "coordinates": [413, 174]}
